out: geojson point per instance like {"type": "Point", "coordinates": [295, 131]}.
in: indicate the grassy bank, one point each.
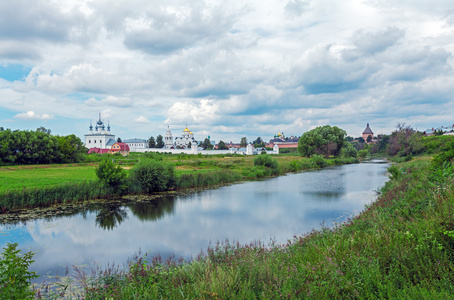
{"type": "Point", "coordinates": [32, 186]}
{"type": "Point", "coordinates": [401, 246]}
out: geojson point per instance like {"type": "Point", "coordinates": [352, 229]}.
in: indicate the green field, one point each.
{"type": "Point", "coordinates": [19, 177]}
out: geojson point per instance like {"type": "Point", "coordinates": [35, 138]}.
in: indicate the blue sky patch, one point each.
{"type": "Point", "coordinates": [14, 72]}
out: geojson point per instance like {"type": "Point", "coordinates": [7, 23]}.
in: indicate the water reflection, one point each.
{"type": "Point", "coordinates": [278, 209]}
{"type": "Point", "coordinates": [153, 211]}
{"type": "Point", "coordinates": [110, 216]}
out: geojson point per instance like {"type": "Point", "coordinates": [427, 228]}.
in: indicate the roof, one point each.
{"type": "Point", "coordinates": [123, 147]}
{"type": "Point", "coordinates": [186, 130]}
{"type": "Point", "coordinates": [98, 150]}
{"type": "Point", "coordinates": [368, 130]}
{"type": "Point", "coordinates": [135, 141]}
{"type": "Point", "coordinates": [110, 142]}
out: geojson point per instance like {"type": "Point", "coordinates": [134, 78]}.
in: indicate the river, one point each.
{"type": "Point", "coordinates": [276, 209]}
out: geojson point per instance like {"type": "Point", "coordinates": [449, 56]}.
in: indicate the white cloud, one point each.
{"type": "Point", "coordinates": [31, 115]}
{"type": "Point", "coordinates": [142, 120]}
{"type": "Point", "coordinates": [232, 69]}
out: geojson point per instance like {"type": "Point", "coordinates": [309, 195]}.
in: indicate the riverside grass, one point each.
{"type": "Point", "coordinates": [400, 246]}
{"type": "Point", "coordinates": [53, 184]}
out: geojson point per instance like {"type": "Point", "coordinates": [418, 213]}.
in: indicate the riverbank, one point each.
{"type": "Point", "coordinates": [48, 186]}
{"type": "Point", "coordinates": [401, 246]}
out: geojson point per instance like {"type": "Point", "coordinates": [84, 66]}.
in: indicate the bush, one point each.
{"type": "Point", "coordinates": [319, 161]}
{"type": "Point", "coordinates": [266, 161]}
{"type": "Point", "coordinates": [111, 175]}
{"type": "Point", "coordinates": [14, 274]}
{"type": "Point", "coordinates": [153, 176]}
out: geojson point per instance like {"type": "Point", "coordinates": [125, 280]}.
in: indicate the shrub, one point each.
{"type": "Point", "coordinates": [14, 274]}
{"type": "Point", "coordinates": [153, 176]}
{"type": "Point", "coordinates": [319, 161]}
{"type": "Point", "coordinates": [110, 174]}
{"type": "Point", "coordinates": [266, 161]}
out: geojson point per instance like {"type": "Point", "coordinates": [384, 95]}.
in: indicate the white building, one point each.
{"type": "Point", "coordinates": [168, 139]}
{"type": "Point", "coordinates": [100, 138]}
{"type": "Point", "coordinates": [183, 141]}
{"type": "Point", "coordinates": [135, 144]}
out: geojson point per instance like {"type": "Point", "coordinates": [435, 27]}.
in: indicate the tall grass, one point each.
{"type": "Point", "coordinates": [196, 180]}
{"type": "Point", "coordinates": [49, 195]}
{"type": "Point", "coordinates": [401, 246]}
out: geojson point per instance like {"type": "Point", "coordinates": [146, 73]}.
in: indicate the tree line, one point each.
{"type": "Point", "coordinates": [23, 147]}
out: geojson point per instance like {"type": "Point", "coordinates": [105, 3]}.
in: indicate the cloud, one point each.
{"type": "Point", "coordinates": [296, 8]}
{"type": "Point", "coordinates": [40, 19]}
{"type": "Point", "coordinates": [31, 115]}
{"type": "Point", "coordinates": [142, 120]}
{"type": "Point", "coordinates": [373, 42]}
{"type": "Point", "coordinates": [110, 101]}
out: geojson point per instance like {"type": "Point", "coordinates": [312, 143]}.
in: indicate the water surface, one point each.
{"type": "Point", "coordinates": [276, 209]}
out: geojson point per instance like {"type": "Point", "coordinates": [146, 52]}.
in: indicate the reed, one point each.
{"type": "Point", "coordinates": [46, 196]}
{"type": "Point", "coordinates": [400, 246]}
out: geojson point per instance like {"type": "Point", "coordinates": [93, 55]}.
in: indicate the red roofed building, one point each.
{"type": "Point", "coordinates": [121, 148]}
{"type": "Point", "coordinates": [98, 150]}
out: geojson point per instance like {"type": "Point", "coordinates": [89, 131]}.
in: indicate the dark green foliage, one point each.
{"type": "Point", "coordinates": [266, 161]}
{"type": "Point", "coordinates": [323, 140]}
{"type": "Point", "coordinates": [14, 274]}
{"type": "Point", "coordinates": [243, 142]}
{"type": "Point", "coordinates": [348, 150]}
{"type": "Point", "coordinates": [222, 146]}
{"type": "Point", "coordinates": [159, 142]}
{"type": "Point", "coordinates": [110, 174]}
{"type": "Point", "coordinates": [206, 144]}
{"type": "Point", "coordinates": [151, 142]}
{"type": "Point", "coordinates": [153, 176]}
{"type": "Point", "coordinates": [319, 161]}
{"type": "Point", "coordinates": [39, 147]}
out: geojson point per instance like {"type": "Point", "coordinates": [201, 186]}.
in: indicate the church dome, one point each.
{"type": "Point", "coordinates": [186, 130]}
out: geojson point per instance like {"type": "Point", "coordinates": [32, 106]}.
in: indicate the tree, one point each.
{"type": "Point", "coordinates": [243, 142]}
{"type": "Point", "coordinates": [361, 140]}
{"type": "Point", "coordinates": [42, 129]}
{"type": "Point", "coordinates": [159, 142]}
{"type": "Point", "coordinates": [222, 146]}
{"type": "Point", "coordinates": [151, 142]}
{"type": "Point", "coordinates": [404, 141]}
{"type": "Point", "coordinates": [119, 140]}
{"type": "Point", "coordinates": [206, 144]}
{"type": "Point", "coordinates": [323, 140]}
{"type": "Point", "coordinates": [369, 138]}
{"type": "Point", "coordinates": [189, 145]}
{"type": "Point", "coordinates": [111, 175]}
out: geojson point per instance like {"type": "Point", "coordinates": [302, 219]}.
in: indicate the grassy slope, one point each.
{"type": "Point", "coordinates": [399, 247]}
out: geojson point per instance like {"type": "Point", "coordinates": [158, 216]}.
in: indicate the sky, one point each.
{"type": "Point", "coordinates": [226, 69]}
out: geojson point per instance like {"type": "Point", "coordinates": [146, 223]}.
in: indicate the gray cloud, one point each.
{"type": "Point", "coordinates": [21, 20]}
{"type": "Point", "coordinates": [373, 42]}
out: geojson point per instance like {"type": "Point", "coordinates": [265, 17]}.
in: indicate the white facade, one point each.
{"type": "Point", "coordinates": [168, 139]}
{"type": "Point", "coordinates": [135, 144]}
{"type": "Point", "coordinates": [185, 139]}
{"type": "Point", "coordinates": [100, 138]}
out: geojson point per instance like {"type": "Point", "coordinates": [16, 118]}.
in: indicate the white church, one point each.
{"type": "Point", "coordinates": [100, 137]}
{"type": "Point", "coordinates": [180, 142]}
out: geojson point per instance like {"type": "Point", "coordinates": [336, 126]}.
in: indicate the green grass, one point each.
{"type": "Point", "coordinates": [20, 177]}
{"type": "Point", "coordinates": [399, 247]}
